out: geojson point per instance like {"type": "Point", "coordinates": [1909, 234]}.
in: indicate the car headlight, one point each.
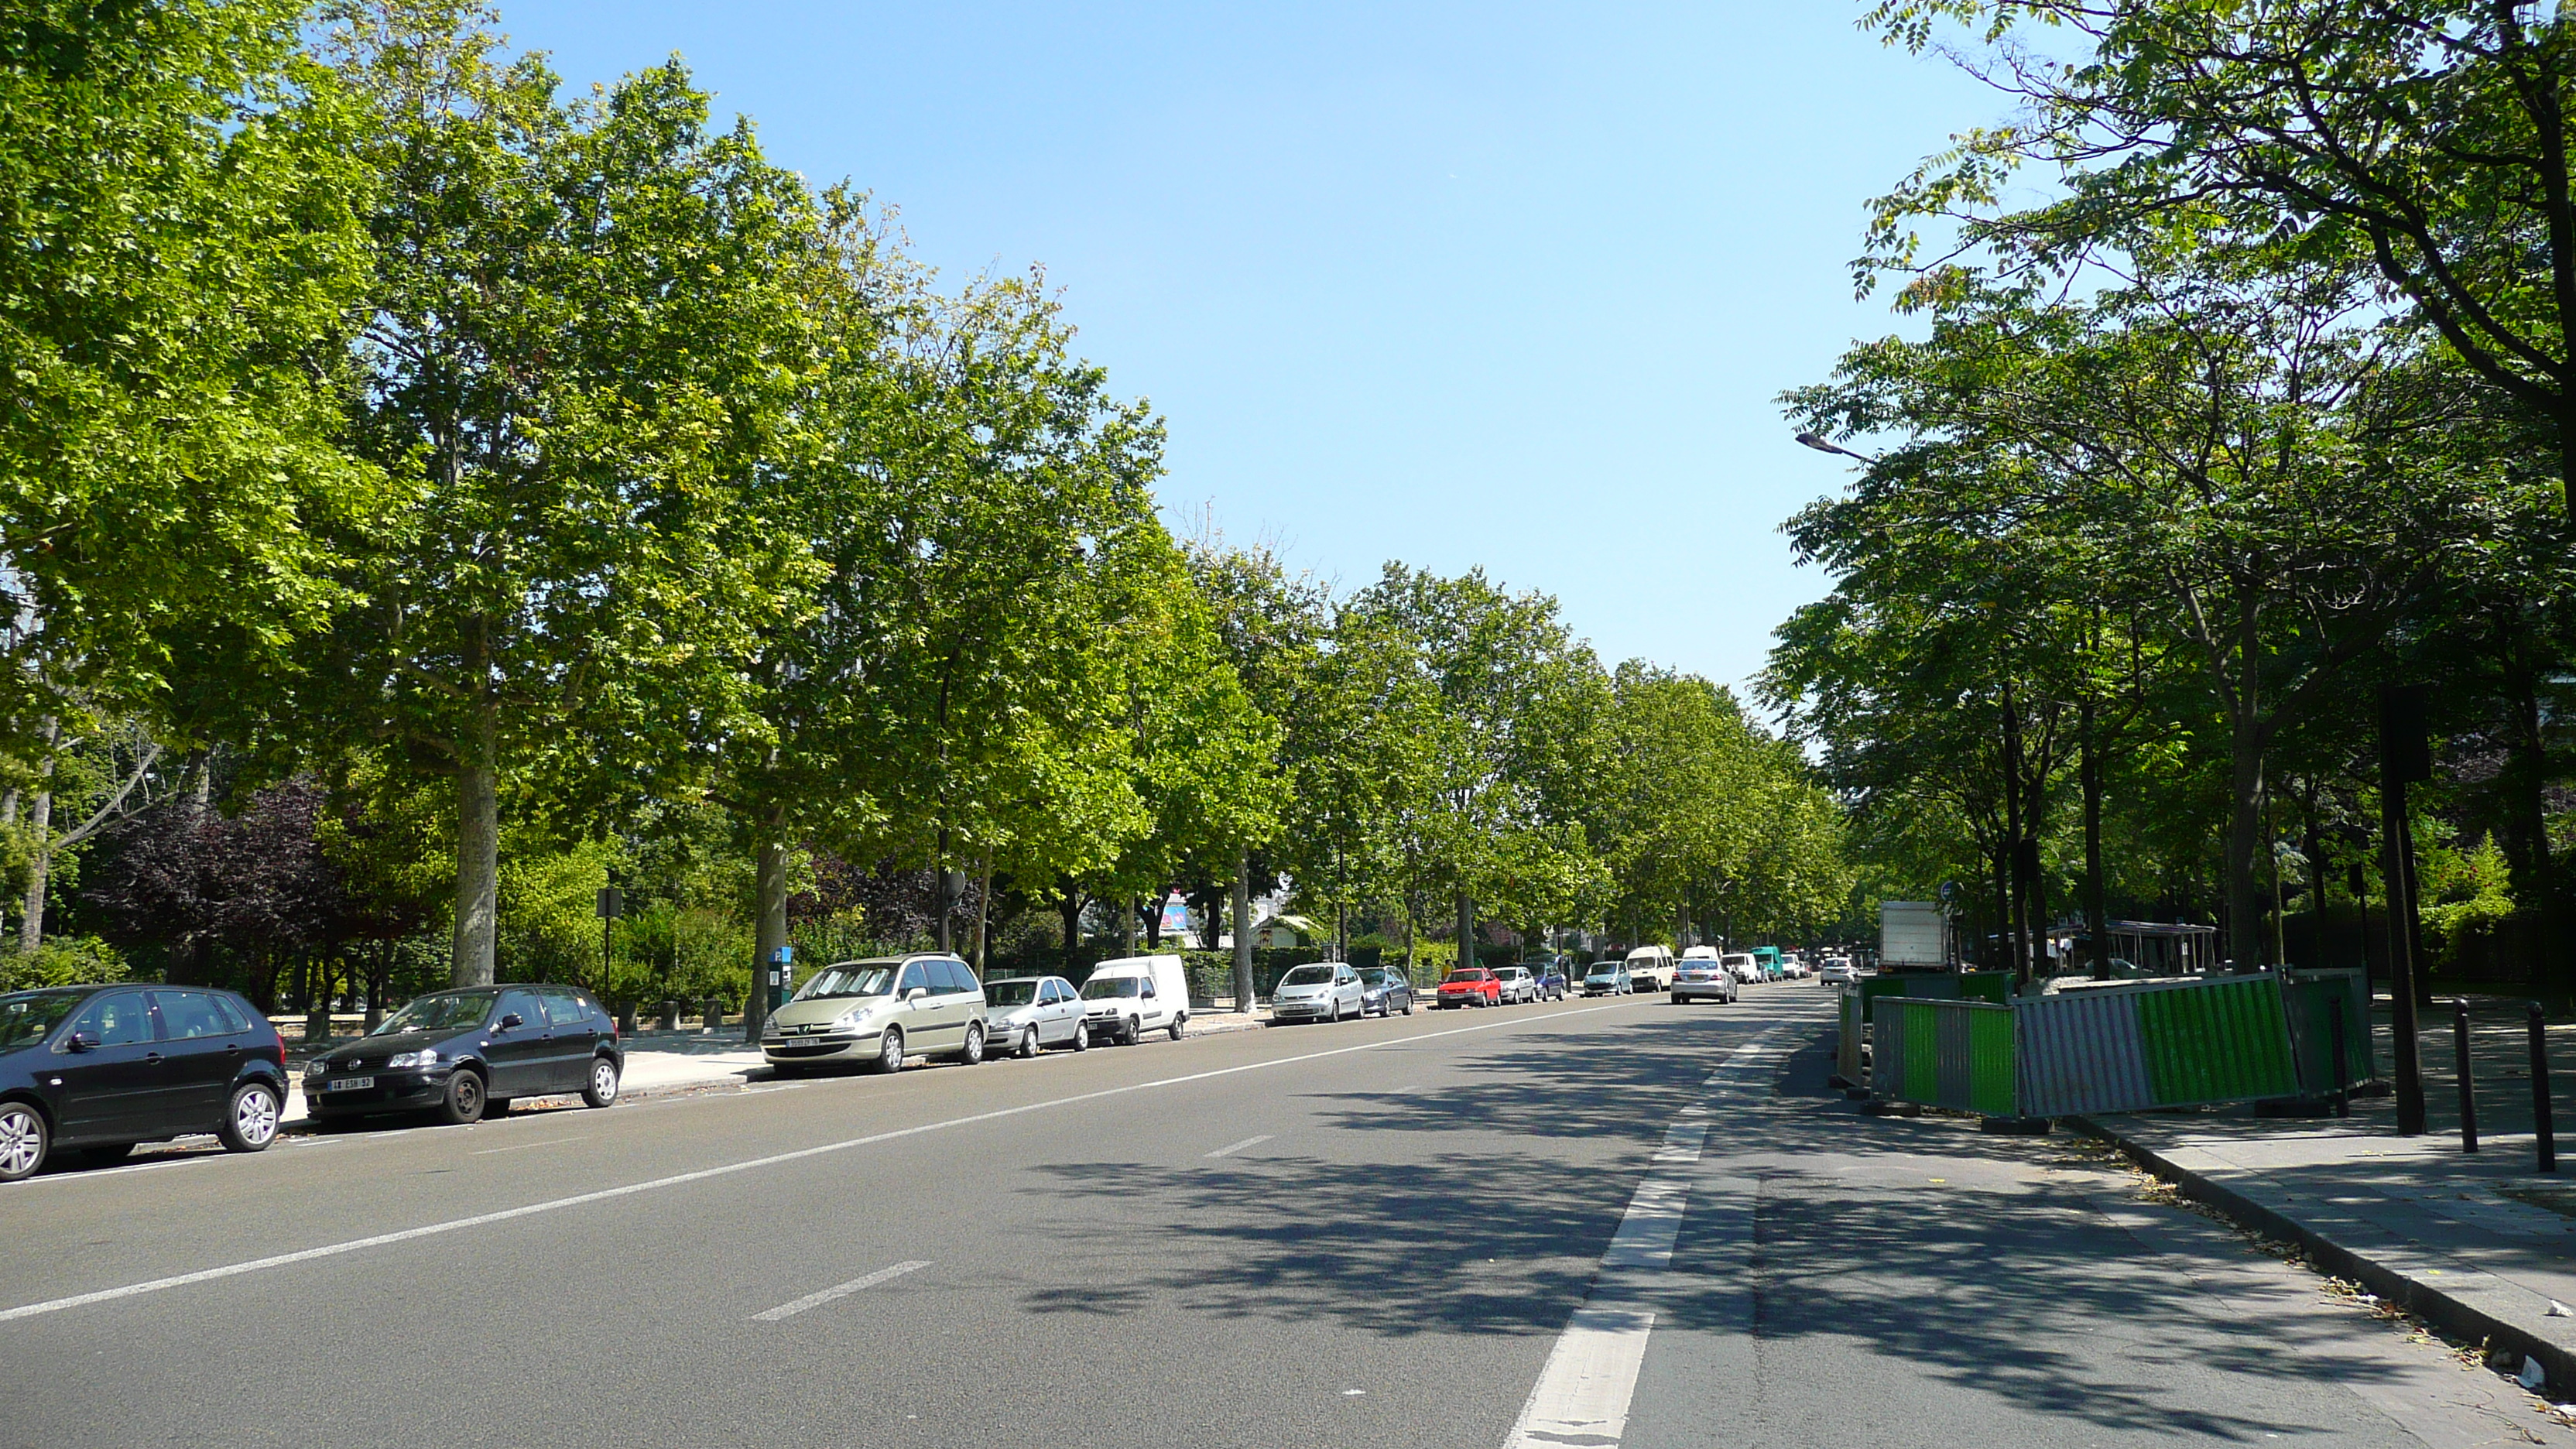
{"type": "Point", "coordinates": [316, 1067]}
{"type": "Point", "coordinates": [426, 1057]}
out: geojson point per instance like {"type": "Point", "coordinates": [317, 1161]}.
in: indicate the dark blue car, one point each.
{"type": "Point", "coordinates": [89, 1071]}
{"type": "Point", "coordinates": [1550, 975]}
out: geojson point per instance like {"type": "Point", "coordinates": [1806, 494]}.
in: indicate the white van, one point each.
{"type": "Point", "coordinates": [1126, 998]}
{"type": "Point", "coordinates": [1650, 968]}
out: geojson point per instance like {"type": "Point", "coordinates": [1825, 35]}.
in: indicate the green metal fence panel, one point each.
{"type": "Point", "coordinates": [1994, 986]}
{"type": "Point", "coordinates": [1954, 1054]}
{"type": "Point", "coordinates": [2217, 1041]}
{"type": "Point", "coordinates": [1993, 1078]}
{"type": "Point", "coordinates": [2313, 999]}
{"type": "Point", "coordinates": [1847, 1053]}
{"type": "Point", "coordinates": [1922, 1029]}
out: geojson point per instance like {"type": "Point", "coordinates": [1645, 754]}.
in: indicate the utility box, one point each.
{"type": "Point", "coordinates": [1913, 936]}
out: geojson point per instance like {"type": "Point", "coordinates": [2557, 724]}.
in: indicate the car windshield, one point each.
{"type": "Point", "coordinates": [1308, 976]}
{"type": "Point", "coordinates": [1108, 988]}
{"type": "Point", "coordinates": [447, 1011]}
{"type": "Point", "coordinates": [25, 1016]}
{"type": "Point", "coordinates": [1010, 993]}
{"type": "Point", "coordinates": [1471, 974]}
{"type": "Point", "coordinates": [850, 978]}
{"type": "Point", "coordinates": [1605, 970]}
{"type": "Point", "coordinates": [1376, 977]}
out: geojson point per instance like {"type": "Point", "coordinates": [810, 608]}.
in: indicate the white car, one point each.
{"type": "Point", "coordinates": [1518, 984]}
{"type": "Point", "coordinates": [1742, 967]}
{"type": "Point", "coordinates": [1702, 978]}
{"type": "Point", "coordinates": [1838, 972]}
{"type": "Point", "coordinates": [1318, 991]}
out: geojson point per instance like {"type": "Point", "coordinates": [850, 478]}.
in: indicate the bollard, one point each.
{"type": "Point", "coordinates": [626, 1019]}
{"type": "Point", "coordinates": [2342, 1084]}
{"type": "Point", "coordinates": [670, 1016]}
{"type": "Point", "coordinates": [713, 1014]}
{"type": "Point", "coordinates": [2544, 1137]}
{"type": "Point", "coordinates": [2468, 1087]}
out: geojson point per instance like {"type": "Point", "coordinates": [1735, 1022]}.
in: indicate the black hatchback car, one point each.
{"type": "Point", "coordinates": [466, 1052]}
{"type": "Point", "coordinates": [93, 1070]}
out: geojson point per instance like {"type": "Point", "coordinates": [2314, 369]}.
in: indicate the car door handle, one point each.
{"type": "Point", "coordinates": [151, 1057]}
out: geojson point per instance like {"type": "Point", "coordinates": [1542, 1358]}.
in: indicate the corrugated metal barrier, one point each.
{"type": "Point", "coordinates": [1860, 999]}
{"type": "Point", "coordinates": [2104, 1049]}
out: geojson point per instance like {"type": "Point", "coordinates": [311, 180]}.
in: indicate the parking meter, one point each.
{"type": "Point", "coordinates": [782, 975]}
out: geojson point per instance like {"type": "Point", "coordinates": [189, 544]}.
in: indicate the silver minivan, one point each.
{"type": "Point", "coordinates": [883, 1012]}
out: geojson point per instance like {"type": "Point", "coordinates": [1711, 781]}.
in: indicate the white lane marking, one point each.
{"type": "Point", "coordinates": [837, 1290]}
{"type": "Point", "coordinates": [428, 1230]}
{"type": "Point", "coordinates": [524, 1146]}
{"type": "Point", "coordinates": [1232, 1148]}
{"type": "Point", "coordinates": [1582, 1395]}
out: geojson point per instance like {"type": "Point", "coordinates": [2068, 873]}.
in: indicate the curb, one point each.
{"type": "Point", "coordinates": [2453, 1315]}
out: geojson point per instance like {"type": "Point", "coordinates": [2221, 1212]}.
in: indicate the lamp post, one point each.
{"type": "Point", "coordinates": [1822, 445]}
{"type": "Point", "coordinates": [612, 904]}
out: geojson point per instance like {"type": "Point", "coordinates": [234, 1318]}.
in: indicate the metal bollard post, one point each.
{"type": "Point", "coordinates": [714, 1014]}
{"type": "Point", "coordinates": [2468, 1087]}
{"type": "Point", "coordinates": [2544, 1137]}
{"type": "Point", "coordinates": [670, 1016]}
{"type": "Point", "coordinates": [2342, 1083]}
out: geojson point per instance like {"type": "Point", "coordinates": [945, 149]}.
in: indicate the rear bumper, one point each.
{"type": "Point", "coordinates": [1700, 990]}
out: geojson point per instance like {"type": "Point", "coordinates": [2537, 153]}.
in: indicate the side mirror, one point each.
{"type": "Point", "coordinates": [81, 1041]}
{"type": "Point", "coordinates": [512, 1022]}
{"type": "Point", "coordinates": [917, 993]}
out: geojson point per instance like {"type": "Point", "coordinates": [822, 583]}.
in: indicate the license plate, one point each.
{"type": "Point", "coordinates": [348, 1084]}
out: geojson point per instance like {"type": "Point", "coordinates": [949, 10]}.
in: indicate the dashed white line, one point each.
{"type": "Point", "coordinates": [837, 1290]}
{"type": "Point", "coordinates": [1231, 1148]}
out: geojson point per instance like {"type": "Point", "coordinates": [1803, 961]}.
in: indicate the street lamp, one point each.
{"type": "Point", "coordinates": [1821, 445]}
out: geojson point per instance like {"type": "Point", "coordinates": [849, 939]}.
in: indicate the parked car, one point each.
{"type": "Point", "coordinates": [1702, 978]}
{"type": "Point", "coordinates": [1742, 967]}
{"type": "Point", "coordinates": [882, 1012]}
{"type": "Point", "coordinates": [1550, 974]}
{"type": "Point", "coordinates": [466, 1054]}
{"type": "Point", "coordinates": [1838, 972]}
{"type": "Point", "coordinates": [1607, 978]}
{"type": "Point", "coordinates": [1470, 986]}
{"type": "Point", "coordinates": [1028, 1014]}
{"type": "Point", "coordinates": [1132, 995]}
{"type": "Point", "coordinates": [1650, 968]}
{"type": "Point", "coordinates": [92, 1070]}
{"type": "Point", "coordinates": [1318, 991]}
{"type": "Point", "coordinates": [1518, 985]}
{"type": "Point", "coordinates": [1385, 990]}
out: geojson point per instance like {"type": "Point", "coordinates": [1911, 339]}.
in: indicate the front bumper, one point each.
{"type": "Point", "coordinates": [836, 1047]}
{"type": "Point", "coordinates": [393, 1092]}
{"type": "Point", "coordinates": [1304, 1009]}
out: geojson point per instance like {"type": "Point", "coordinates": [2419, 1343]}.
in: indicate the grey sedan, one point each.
{"type": "Point", "coordinates": [1385, 992]}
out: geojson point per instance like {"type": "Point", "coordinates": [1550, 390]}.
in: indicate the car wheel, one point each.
{"type": "Point", "coordinates": [1133, 1033]}
{"type": "Point", "coordinates": [1029, 1043]}
{"type": "Point", "coordinates": [974, 1052]}
{"type": "Point", "coordinates": [890, 1050]}
{"type": "Point", "coordinates": [1178, 1022]}
{"type": "Point", "coordinates": [601, 1090]}
{"type": "Point", "coordinates": [1408, 1006]}
{"type": "Point", "coordinates": [1082, 1036]}
{"type": "Point", "coordinates": [23, 1138]}
{"type": "Point", "coordinates": [464, 1100]}
{"type": "Point", "coordinates": [250, 1118]}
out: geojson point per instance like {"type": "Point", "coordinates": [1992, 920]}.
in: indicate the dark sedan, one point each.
{"type": "Point", "coordinates": [1550, 975]}
{"type": "Point", "coordinates": [463, 1053]}
{"type": "Point", "coordinates": [93, 1070]}
{"type": "Point", "coordinates": [1385, 991]}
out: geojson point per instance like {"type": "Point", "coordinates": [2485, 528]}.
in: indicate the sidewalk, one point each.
{"type": "Point", "coordinates": [2480, 1245]}
{"type": "Point", "coordinates": [663, 1062]}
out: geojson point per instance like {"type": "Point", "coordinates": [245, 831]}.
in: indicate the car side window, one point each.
{"type": "Point", "coordinates": [1047, 993]}
{"type": "Point", "coordinates": [566, 1010]}
{"type": "Point", "coordinates": [190, 1015]}
{"type": "Point", "coordinates": [913, 976]}
{"type": "Point", "coordinates": [235, 1019]}
{"type": "Point", "coordinates": [523, 1004]}
{"type": "Point", "coordinates": [120, 1018]}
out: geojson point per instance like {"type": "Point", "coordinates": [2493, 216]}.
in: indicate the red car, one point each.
{"type": "Point", "coordinates": [1469, 986]}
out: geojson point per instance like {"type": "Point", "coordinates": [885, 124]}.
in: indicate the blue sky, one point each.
{"type": "Point", "coordinates": [1457, 284]}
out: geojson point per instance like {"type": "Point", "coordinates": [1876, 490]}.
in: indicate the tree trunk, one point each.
{"type": "Point", "coordinates": [2016, 901]}
{"type": "Point", "coordinates": [1466, 930]}
{"type": "Point", "coordinates": [1068, 905]}
{"type": "Point", "coordinates": [40, 859]}
{"type": "Point", "coordinates": [2244, 840]}
{"type": "Point", "coordinates": [2097, 914]}
{"type": "Point", "coordinates": [1242, 931]}
{"type": "Point", "coordinates": [769, 927]}
{"type": "Point", "coordinates": [478, 869]}
{"type": "Point", "coordinates": [984, 915]}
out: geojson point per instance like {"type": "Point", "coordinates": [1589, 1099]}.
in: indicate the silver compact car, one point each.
{"type": "Point", "coordinates": [1700, 978]}
{"type": "Point", "coordinates": [880, 1013]}
{"type": "Point", "coordinates": [1025, 1015]}
{"type": "Point", "coordinates": [1319, 991]}
{"type": "Point", "coordinates": [1518, 984]}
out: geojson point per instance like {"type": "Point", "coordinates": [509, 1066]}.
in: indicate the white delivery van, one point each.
{"type": "Point", "coordinates": [1126, 998]}
{"type": "Point", "coordinates": [1650, 968]}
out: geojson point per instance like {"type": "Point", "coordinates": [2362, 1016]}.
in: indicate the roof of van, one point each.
{"type": "Point", "coordinates": [1135, 963]}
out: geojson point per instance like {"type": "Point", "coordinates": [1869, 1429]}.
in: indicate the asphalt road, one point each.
{"type": "Point", "coordinates": [1587, 1223]}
